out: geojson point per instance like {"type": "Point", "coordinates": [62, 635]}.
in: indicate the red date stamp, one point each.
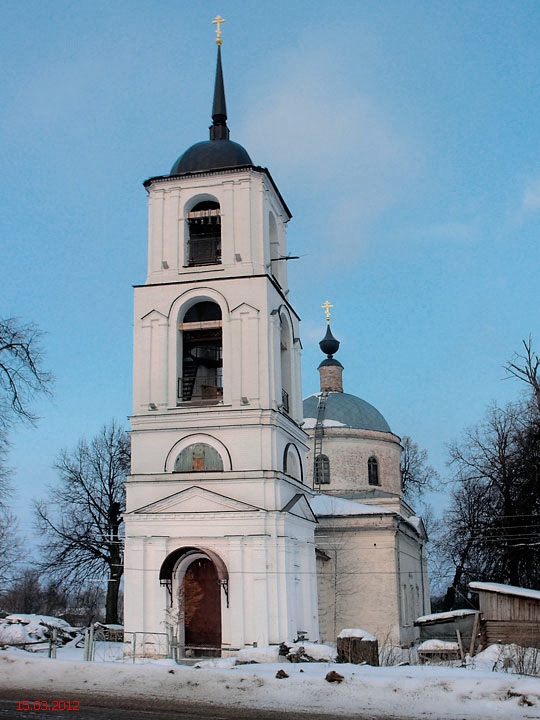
{"type": "Point", "coordinates": [47, 705]}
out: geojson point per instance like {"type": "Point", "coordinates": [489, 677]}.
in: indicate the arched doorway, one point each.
{"type": "Point", "coordinates": [200, 603]}
{"type": "Point", "coordinates": [196, 580]}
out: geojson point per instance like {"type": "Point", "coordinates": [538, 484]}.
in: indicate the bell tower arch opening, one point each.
{"type": "Point", "coordinates": [285, 343]}
{"type": "Point", "coordinates": [200, 355]}
{"type": "Point", "coordinates": [204, 229]}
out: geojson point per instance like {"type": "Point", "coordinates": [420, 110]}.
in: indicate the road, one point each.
{"type": "Point", "coordinates": [94, 707]}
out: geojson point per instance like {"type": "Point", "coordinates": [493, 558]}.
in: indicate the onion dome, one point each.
{"type": "Point", "coordinates": [219, 152]}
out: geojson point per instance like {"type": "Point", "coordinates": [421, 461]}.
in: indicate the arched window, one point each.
{"type": "Point", "coordinates": [285, 346]}
{"type": "Point", "coordinates": [291, 462]}
{"type": "Point", "coordinates": [198, 458]}
{"type": "Point", "coordinates": [200, 351]}
{"type": "Point", "coordinates": [322, 470]}
{"type": "Point", "coordinates": [373, 471]}
{"type": "Point", "coordinates": [204, 224]}
{"type": "Point", "coordinates": [276, 265]}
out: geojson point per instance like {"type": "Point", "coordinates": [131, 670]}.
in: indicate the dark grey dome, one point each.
{"type": "Point", "coordinates": [211, 155]}
{"type": "Point", "coordinates": [348, 410]}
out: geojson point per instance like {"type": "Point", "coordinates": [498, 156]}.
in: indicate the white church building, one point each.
{"type": "Point", "coordinates": [227, 539]}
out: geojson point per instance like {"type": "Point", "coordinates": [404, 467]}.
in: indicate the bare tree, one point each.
{"type": "Point", "coordinates": [526, 367]}
{"type": "Point", "coordinates": [22, 376]}
{"type": "Point", "coordinates": [81, 521]}
{"type": "Point", "coordinates": [492, 529]}
{"type": "Point", "coordinates": [10, 548]}
{"type": "Point", "coordinates": [416, 475]}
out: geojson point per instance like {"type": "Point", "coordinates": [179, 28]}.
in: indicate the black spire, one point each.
{"type": "Point", "coordinates": [219, 129]}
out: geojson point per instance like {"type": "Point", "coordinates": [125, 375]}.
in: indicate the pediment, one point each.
{"type": "Point", "coordinates": [195, 500]}
{"type": "Point", "coordinates": [298, 505]}
{"type": "Point", "coordinates": [153, 315]}
{"type": "Point", "coordinates": [245, 308]}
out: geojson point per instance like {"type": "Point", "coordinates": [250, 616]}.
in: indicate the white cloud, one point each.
{"type": "Point", "coordinates": [531, 195]}
{"type": "Point", "coordinates": [314, 125]}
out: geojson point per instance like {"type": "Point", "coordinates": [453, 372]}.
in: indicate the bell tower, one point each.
{"type": "Point", "coordinates": [219, 530]}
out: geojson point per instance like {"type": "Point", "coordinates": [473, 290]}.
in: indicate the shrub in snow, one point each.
{"type": "Point", "coordinates": [508, 658]}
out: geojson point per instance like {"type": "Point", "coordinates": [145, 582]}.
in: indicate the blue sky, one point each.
{"type": "Point", "coordinates": [404, 137]}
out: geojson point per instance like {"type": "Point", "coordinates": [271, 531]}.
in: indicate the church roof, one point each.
{"type": "Point", "coordinates": [330, 506]}
{"type": "Point", "coordinates": [219, 152]}
{"type": "Point", "coordinates": [211, 155]}
{"type": "Point", "coordinates": [345, 411]}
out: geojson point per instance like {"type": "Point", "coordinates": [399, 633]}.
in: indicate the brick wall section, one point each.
{"type": "Point", "coordinates": [331, 378]}
{"type": "Point", "coordinates": [349, 450]}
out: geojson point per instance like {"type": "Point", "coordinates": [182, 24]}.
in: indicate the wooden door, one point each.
{"type": "Point", "coordinates": [201, 603]}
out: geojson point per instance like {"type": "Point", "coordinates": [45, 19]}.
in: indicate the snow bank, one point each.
{"type": "Point", "coordinates": [263, 654]}
{"type": "Point", "coordinates": [356, 633]}
{"type": "Point", "coordinates": [25, 629]}
{"type": "Point", "coordinates": [316, 651]}
{"type": "Point", "coordinates": [271, 653]}
{"type": "Point", "coordinates": [429, 692]}
{"type": "Point", "coordinates": [506, 589]}
{"type": "Point", "coordinates": [508, 658]}
{"type": "Point", "coordinates": [441, 617]}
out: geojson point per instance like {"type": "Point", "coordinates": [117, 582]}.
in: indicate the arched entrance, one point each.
{"type": "Point", "coordinates": [196, 579]}
{"type": "Point", "coordinates": [200, 601]}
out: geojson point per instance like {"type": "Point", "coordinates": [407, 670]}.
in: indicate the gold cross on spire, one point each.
{"type": "Point", "coordinates": [218, 22]}
{"type": "Point", "coordinates": [326, 307]}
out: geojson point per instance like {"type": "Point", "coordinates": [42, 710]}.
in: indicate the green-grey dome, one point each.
{"type": "Point", "coordinates": [344, 410]}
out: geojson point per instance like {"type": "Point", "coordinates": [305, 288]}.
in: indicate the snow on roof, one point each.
{"type": "Point", "coordinates": [330, 505]}
{"type": "Point", "coordinates": [441, 617]}
{"type": "Point", "coordinates": [309, 423]}
{"type": "Point", "coordinates": [356, 633]}
{"type": "Point", "coordinates": [416, 522]}
{"type": "Point", "coordinates": [437, 645]}
{"type": "Point", "coordinates": [506, 589]}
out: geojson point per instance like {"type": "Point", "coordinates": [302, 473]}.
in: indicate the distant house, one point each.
{"type": "Point", "coordinates": [509, 614]}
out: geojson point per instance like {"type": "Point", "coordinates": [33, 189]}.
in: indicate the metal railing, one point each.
{"type": "Point", "coordinates": [204, 250]}
{"type": "Point", "coordinates": [203, 391]}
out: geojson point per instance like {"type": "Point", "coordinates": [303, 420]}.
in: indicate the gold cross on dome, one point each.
{"type": "Point", "coordinates": [326, 307]}
{"type": "Point", "coordinates": [218, 22]}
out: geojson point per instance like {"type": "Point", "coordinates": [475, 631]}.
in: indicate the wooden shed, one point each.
{"type": "Point", "coordinates": [509, 614]}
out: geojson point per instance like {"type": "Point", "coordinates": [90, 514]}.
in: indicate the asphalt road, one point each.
{"type": "Point", "coordinates": [104, 708]}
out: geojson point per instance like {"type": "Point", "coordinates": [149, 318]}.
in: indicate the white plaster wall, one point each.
{"type": "Point", "coordinates": [414, 586]}
{"type": "Point", "coordinates": [246, 198]}
{"type": "Point", "coordinates": [357, 586]}
{"type": "Point", "coordinates": [264, 553]}
{"type": "Point", "coordinates": [269, 554]}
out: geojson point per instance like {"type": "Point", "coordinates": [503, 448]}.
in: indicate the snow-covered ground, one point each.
{"type": "Point", "coordinates": [406, 692]}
